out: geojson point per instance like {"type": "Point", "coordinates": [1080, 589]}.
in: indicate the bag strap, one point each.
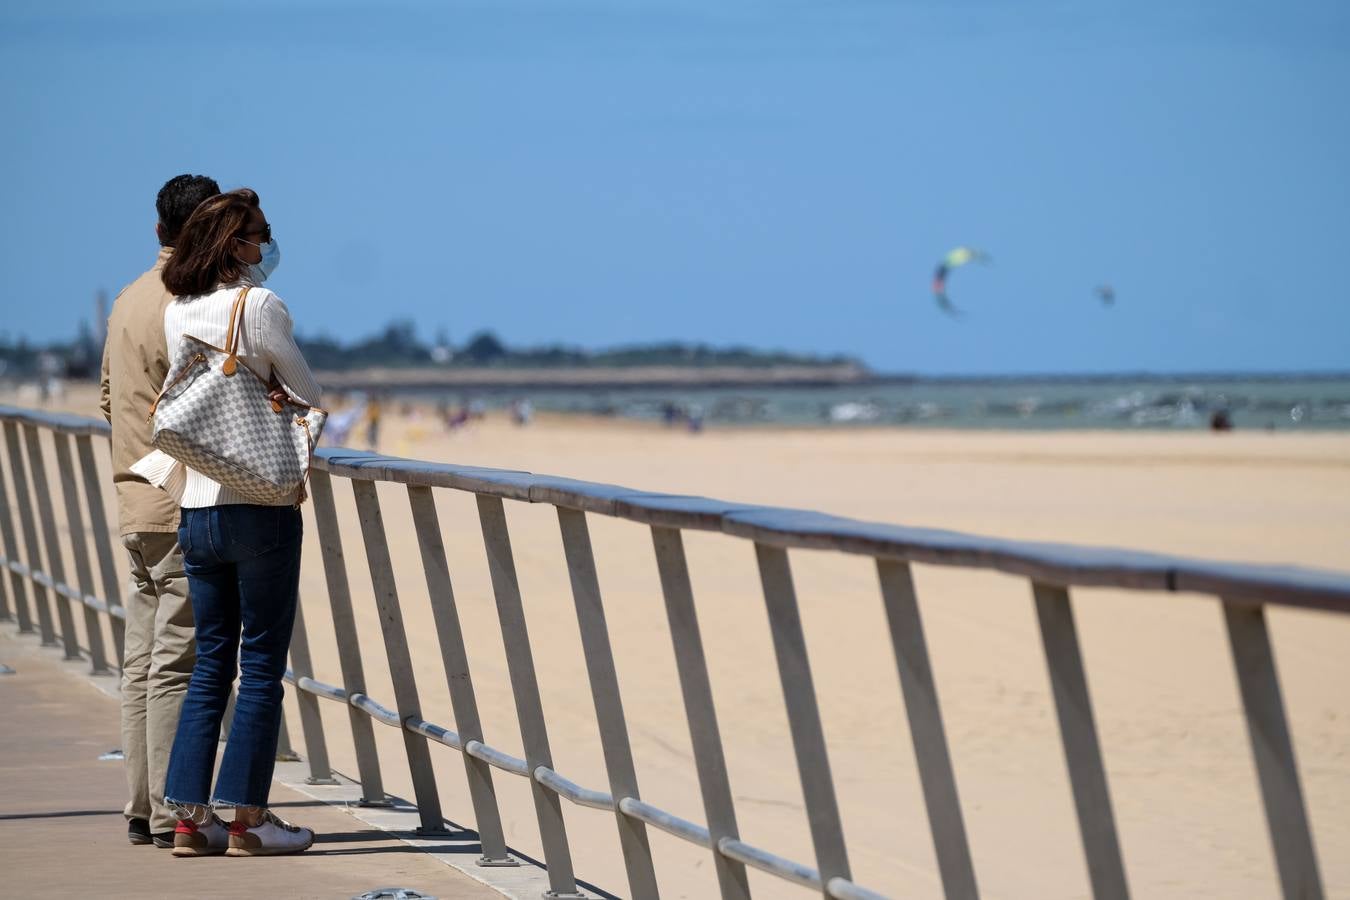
{"type": "Point", "coordinates": [232, 336]}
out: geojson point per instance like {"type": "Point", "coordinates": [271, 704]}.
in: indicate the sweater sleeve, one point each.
{"type": "Point", "coordinates": [288, 365]}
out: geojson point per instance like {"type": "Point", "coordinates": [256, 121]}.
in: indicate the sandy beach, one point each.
{"type": "Point", "coordinates": [1185, 793]}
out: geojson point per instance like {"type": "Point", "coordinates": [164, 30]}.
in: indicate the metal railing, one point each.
{"type": "Point", "coordinates": [1052, 570]}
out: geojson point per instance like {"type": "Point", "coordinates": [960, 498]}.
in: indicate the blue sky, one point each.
{"type": "Point", "coordinates": [779, 174]}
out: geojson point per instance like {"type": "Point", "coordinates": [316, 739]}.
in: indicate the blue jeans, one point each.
{"type": "Point", "coordinates": [243, 572]}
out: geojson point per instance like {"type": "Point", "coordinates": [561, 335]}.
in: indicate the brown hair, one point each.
{"type": "Point", "coordinates": [204, 254]}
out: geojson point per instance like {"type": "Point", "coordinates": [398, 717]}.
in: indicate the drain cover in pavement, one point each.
{"type": "Point", "coordinates": [393, 893]}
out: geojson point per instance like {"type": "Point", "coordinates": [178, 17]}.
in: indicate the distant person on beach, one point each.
{"type": "Point", "coordinates": [459, 418]}
{"type": "Point", "coordinates": [341, 420]}
{"type": "Point", "coordinates": [242, 559]}
{"type": "Point", "coordinates": [373, 413]}
{"type": "Point", "coordinates": [158, 650]}
{"type": "Point", "coordinates": [522, 411]}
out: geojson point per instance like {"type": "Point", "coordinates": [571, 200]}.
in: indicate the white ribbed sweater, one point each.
{"type": "Point", "coordinates": [266, 343]}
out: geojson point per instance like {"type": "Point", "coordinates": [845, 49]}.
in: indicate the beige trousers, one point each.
{"type": "Point", "coordinates": [157, 663]}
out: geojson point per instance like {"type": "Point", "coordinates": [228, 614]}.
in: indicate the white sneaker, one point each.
{"type": "Point", "coordinates": [270, 837]}
{"type": "Point", "coordinates": [209, 838]}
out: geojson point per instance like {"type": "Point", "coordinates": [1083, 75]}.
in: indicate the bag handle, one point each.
{"type": "Point", "coordinates": [231, 363]}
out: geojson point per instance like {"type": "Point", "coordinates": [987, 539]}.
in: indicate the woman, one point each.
{"type": "Point", "coordinates": [242, 560]}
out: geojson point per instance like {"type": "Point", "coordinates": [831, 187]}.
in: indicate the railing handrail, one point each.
{"type": "Point", "coordinates": [1071, 565]}
{"type": "Point", "coordinates": [1068, 565]}
{"type": "Point", "coordinates": [65, 423]}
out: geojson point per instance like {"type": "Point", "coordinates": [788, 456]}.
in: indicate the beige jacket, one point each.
{"type": "Point", "coordinates": [135, 364]}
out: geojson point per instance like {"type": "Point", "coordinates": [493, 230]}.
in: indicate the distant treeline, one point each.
{"type": "Point", "coordinates": [399, 347]}
{"type": "Point", "coordinates": [78, 358]}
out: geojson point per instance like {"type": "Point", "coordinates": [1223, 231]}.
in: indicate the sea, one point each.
{"type": "Point", "coordinates": [1278, 403]}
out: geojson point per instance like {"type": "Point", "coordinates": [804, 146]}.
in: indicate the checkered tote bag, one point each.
{"type": "Point", "coordinates": [215, 416]}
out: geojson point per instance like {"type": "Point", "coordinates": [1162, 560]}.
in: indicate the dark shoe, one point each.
{"type": "Point", "coordinates": [138, 832]}
{"type": "Point", "coordinates": [164, 840]}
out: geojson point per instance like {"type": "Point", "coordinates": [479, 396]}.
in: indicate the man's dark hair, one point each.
{"type": "Point", "coordinates": [176, 201]}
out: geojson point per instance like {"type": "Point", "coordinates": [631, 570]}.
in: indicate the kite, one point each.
{"type": "Point", "coordinates": [1106, 294]}
{"type": "Point", "coordinates": [958, 257]}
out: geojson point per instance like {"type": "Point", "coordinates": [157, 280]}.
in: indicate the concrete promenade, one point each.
{"type": "Point", "coordinates": [62, 833]}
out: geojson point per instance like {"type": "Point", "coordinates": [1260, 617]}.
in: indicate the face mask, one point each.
{"type": "Point", "coordinates": [260, 271]}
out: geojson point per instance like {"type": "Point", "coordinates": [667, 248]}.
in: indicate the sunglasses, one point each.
{"type": "Point", "coordinates": [265, 233]}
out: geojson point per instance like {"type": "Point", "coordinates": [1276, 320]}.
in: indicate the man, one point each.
{"type": "Point", "coordinates": [159, 650]}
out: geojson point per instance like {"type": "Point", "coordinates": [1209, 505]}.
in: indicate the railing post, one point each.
{"type": "Point", "coordinates": [79, 548]}
{"type": "Point", "coordinates": [926, 731]}
{"type": "Point", "coordinates": [604, 679]}
{"type": "Point", "coordinates": [696, 689]}
{"type": "Point", "coordinates": [311, 720]}
{"type": "Point", "coordinates": [396, 650]}
{"type": "Point", "coordinates": [55, 565]}
{"type": "Point", "coordinates": [5, 614]}
{"type": "Point", "coordinates": [32, 550]}
{"type": "Point", "coordinates": [8, 533]}
{"type": "Point", "coordinates": [525, 688]}
{"type": "Point", "coordinates": [102, 530]}
{"type": "Point", "coordinates": [455, 661]}
{"type": "Point", "coordinates": [799, 694]}
{"type": "Point", "coordinates": [1286, 817]}
{"type": "Point", "coordinates": [344, 630]}
{"type": "Point", "coordinates": [285, 752]}
{"type": "Point", "coordinates": [1082, 751]}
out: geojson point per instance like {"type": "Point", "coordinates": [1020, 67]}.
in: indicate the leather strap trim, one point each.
{"type": "Point", "coordinates": [232, 336]}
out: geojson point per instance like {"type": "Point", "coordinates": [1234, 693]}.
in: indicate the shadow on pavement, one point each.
{"type": "Point", "coordinates": [62, 814]}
